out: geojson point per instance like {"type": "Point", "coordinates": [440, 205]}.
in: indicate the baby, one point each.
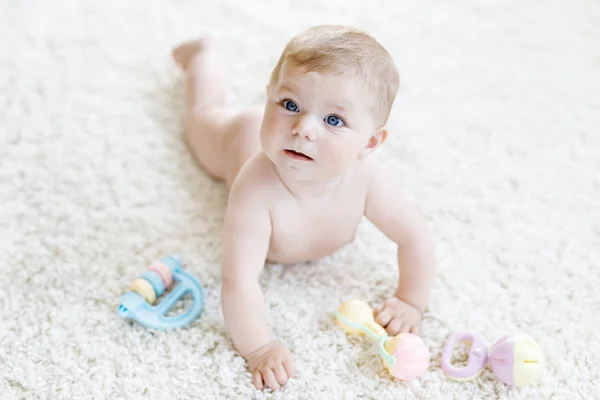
{"type": "Point", "coordinates": [302, 174]}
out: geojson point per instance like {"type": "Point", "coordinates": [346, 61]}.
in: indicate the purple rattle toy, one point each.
{"type": "Point", "coordinates": [515, 360]}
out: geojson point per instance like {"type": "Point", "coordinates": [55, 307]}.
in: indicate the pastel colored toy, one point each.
{"type": "Point", "coordinates": [516, 360]}
{"type": "Point", "coordinates": [137, 303]}
{"type": "Point", "coordinates": [405, 355]}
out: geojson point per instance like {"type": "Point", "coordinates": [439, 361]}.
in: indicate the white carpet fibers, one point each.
{"type": "Point", "coordinates": [495, 136]}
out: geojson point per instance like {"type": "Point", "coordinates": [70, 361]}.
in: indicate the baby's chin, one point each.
{"type": "Point", "coordinates": [307, 174]}
{"type": "Point", "coordinates": [305, 171]}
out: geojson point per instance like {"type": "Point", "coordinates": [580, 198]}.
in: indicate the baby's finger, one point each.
{"type": "Point", "coordinates": [405, 328]}
{"type": "Point", "coordinates": [290, 367]}
{"type": "Point", "coordinates": [394, 327]}
{"type": "Point", "coordinates": [416, 330]}
{"type": "Point", "coordinates": [257, 380]}
{"type": "Point", "coordinates": [280, 374]}
{"type": "Point", "coordinates": [384, 317]}
{"type": "Point", "coordinates": [270, 380]}
{"type": "Point", "coordinates": [377, 309]}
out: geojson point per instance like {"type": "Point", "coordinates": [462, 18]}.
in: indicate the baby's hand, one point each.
{"type": "Point", "coordinates": [271, 366]}
{"type": "Point", "coordinates": [396, 317]}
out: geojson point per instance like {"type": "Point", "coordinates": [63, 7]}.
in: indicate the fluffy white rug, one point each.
{"type": "Point", "coordinates": [495, 136]}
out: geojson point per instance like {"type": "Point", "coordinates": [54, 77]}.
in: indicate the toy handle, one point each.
{"type": "Point", "coordinates": [186, 283]}
{"type": "Point", "coordinates": [374, 330]}
{"type": "Point", "coordinates": [134, 306]}
{"type": "Point", "coordinates": [477, 356]}
{"type": "Point", "coordinates": [369, 327]}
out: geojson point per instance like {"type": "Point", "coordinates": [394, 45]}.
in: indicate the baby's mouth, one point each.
{"type": "Point", "coordinates": [297, 155]}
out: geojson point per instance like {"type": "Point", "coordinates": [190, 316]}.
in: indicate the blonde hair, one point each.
{"type": "Point", "coordinates": [341, 49]}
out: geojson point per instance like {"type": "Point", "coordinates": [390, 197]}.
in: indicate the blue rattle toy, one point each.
{"type": "Point", "coordinates": [136, 304]}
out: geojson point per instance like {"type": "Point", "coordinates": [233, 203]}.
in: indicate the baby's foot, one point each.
{"type": "Point", "coordinates": [184, 53]}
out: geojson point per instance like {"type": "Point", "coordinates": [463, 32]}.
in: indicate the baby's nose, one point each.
{"type": "Point", "coordinates": [305, 128]}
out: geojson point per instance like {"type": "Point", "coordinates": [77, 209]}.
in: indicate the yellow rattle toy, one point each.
{"type": "Point", "coordinates": [405, 355]}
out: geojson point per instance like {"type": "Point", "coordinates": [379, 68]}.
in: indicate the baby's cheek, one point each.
{"type": "Point", "coordinates": [267, 125]}
{"type": "Point", "coordinates": [269, 131]}
{"type": "Point", "coordinates": [341, 155]}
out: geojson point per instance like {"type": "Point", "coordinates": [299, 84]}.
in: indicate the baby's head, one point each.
{"type": "Point", "coordinates": [329, 98]}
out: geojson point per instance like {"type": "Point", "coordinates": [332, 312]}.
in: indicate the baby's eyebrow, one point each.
{"type": "Point", "coordinates": [284, 88]}
{"type": "Point", "coordinates": [341, 108]}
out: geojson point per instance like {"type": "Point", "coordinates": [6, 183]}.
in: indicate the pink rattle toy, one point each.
{"type": "Point", "coordinates": [405, 355]}
{"type": "Point", "coordinates": [515, 360]}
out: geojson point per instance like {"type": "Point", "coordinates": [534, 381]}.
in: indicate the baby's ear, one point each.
{"type": "Point", "coordinates": [375, 141]}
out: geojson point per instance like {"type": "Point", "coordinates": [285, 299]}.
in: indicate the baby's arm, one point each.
{"type": "Point", "coordinates": [246, 237]}
{"type": "Point", "coordinates": [400, 221]}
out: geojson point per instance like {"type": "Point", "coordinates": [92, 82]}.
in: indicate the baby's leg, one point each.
{"type": "Point", "coordinates": [221, 139]}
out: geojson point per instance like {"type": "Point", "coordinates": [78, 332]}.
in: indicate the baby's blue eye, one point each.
{"type": "Point", "coordinates": [290, 106]}
{"type": "Point", "coordinates": [334, 120]}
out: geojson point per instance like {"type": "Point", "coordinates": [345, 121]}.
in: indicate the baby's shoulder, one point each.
{"type": "Point", "coordinates": [369, 172]}
{"type": "Point", "coordinates": [257, 178]}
